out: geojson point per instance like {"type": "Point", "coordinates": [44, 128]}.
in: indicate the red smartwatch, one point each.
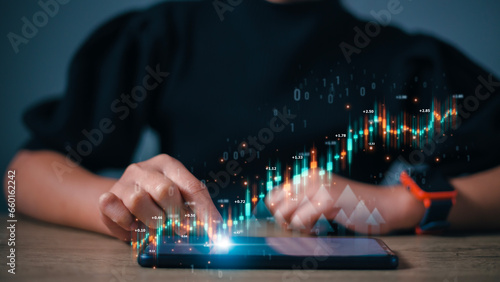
{"type": "Point", "coordinates": [437, 195]}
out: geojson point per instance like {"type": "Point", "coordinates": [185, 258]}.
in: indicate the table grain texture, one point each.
{"type": "Point", "coordinates": [46, 252]}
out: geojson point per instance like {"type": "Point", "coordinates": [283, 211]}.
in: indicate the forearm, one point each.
{"type": "Point", "coordinates": [70, 200]}
{"type": "Point", "coordinates": [477, 205]}
{"type": "Point", "coordinates": [395, 203]}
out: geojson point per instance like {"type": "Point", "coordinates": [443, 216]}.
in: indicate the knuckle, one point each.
{"type": "Point", "coordinates": [165, 158]}
{"type": "Point", "coordinates": [132, 169]}
{"type": "Point", "coordinates": [193, 185]}
{"type": "Point", "coordinates": [195, 188]}
{"type": "Point", "coordinates": [160, 187]}
{"type": "Point", "coordinates": [162, 190]}
{"type": "Point", "coordinates": [135, 199]}
{"type": "Point", "coordinates": [105, 200]}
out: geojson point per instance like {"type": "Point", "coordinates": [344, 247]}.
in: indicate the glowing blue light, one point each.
{"type": "Point", "coordinates": [223, 243]}
{"type": "Point", "coordinates": [329, 166]}
{"type": "Point", "coordinates": [305, 172]}
{"type": "Point", "coordinates": [269, 185]}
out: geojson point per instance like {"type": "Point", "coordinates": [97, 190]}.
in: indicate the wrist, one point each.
{"type": "Point", "coordinates": [411, 210]}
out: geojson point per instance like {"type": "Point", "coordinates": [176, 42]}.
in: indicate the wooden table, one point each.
{"type": "Point", "coordinates": [46, 252]}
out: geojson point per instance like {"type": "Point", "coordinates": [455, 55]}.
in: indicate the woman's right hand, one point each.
{"type": "Point", "coordinates": [148, 192]}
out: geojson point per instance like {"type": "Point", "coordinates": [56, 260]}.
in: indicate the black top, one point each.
{"type": "Point", "coordinates": [228, 79]}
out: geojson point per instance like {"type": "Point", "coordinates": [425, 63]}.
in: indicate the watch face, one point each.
{"type": "Point", "coordinates": [431, 181]}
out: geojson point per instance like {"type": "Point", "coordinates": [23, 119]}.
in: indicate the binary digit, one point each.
{"type": "Point", "coordinates": [306, 95]}
{"type": "Point", "coordinates": [330, 99]}
{"type": "Point", "coordinates": [305, 123]}
{"type": "Point", "coordinates": [324, 82]}
{"type": "Point", "coordinates": [373, 85]}
{"type": "Point", "coordinates": [362, 91]}
{"type": "Point", "coordinates": [225, 156]}
{"type": "Point", "coordinates": [347, 91]}
{"type": "Point", "coordinates": [235, 155]}
{"type": "Point", "coordinates": [292, 126]}
{"type": "Point", "coordinates": [296, 94]}
{"type": "Point", "coordinates": [338, 80]}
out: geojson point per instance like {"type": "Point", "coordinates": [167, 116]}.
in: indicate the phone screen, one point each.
{"type": "Point", "coordinates": [269, 252]}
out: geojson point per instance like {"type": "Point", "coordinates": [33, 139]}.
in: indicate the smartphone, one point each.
{"type": "Point", "coordinates": [269, 253]}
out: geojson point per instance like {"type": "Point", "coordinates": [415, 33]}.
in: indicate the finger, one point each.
{"type": "Point", "coordinates": [160, 188]}
{"type": "Point", "coordinates": [200, 202]}
{"type": "Point", "coordinates": [165, 194]}
{"type": "Point", "coordinates": [191, 189]}
{"type": "Point", "coordinates": [142, 206]}
{"type": "Point", "coordinates": [321, 203]}
{"type": "Point", "coordinates": [183, 228]}
{"type": "Point", "coordinates": [275, 198]}
{"type": "Point", "coordinates": [310, 189]}
{"type": "Point", "coordinates": [168, 197]}
{"type": "Point", "coordinates": [311, 212]}
{"type": "Point", "coordinates": [113, 208]}
{"type": "Point", "coordinates": [288, 206]}
{"type": "Point", "coordinates": [115, 229]}
{"type": "Point", "coordinates": [324, 204]}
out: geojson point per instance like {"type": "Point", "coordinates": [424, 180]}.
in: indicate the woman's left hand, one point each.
{"type": "Point", "coordinates": [360, 207]}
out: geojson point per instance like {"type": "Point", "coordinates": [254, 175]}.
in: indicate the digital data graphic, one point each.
{"type": "Point", "coordinates": [371, 130]}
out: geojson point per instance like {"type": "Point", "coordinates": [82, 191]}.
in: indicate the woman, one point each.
{"type": "Point", "coordinates": [235, 87]}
